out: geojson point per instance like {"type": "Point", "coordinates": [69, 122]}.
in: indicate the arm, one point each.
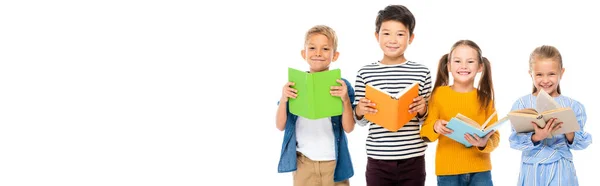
{"type": "Point", "coordinates": [281, 114]}
{"type": "Point", "coordinates": [347, 116]}
{"type": "Point", "coordinates": [425, 92]}
{"type": "Point", "coordinates": [579, 140]}
{"type": "Point", "coordinates": [427, 132]}
{"type": "Point", "coordinates": [359, 90]}
{"type": "Point", "coordinates": [521, 141]}
{"type": "Point", "coordinates": [288, 92]}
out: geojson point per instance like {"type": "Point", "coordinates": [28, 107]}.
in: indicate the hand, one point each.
{"type": "Point", "coordinates": [340, 91]}
{"type": "Point", "coordinates": [477, 141]}
{"type": "Point", "coordinates": [540, 134]}
{"type": "Point", "coordinates": [440, 127]}
{"type": "Point", "coordinates": [418, 105]}
{"type": "Point", "coordinates": [288, 92]}
{"type": "Point", "coordinates": [364, 106]}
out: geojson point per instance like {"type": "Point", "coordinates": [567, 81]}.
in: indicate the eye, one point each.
{"type": "Point", "coordinates": [538, 75]}
{"type": "Point", "coordinates": [325, 49]}
{"type": "Point", "coordinates": [552, 74]}
{"type": "Point", "coordinates": [400, 34]}
{"type": "Point", "coordinates": [311, 48]}
{"type": "Point", "coordinates": [457, 61]}
{"type": "Point", "coordinates": [385, 33]}
{"type": "Point", "coordinates": [471, 61]}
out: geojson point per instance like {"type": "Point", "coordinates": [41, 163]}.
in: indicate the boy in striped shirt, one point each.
{"type": "Point", "coordinates": [394, 158]}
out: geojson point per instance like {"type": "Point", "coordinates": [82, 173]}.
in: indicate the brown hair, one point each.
{"type": "Point", "coordinates": [485, 90]}
{"type": "Point", "coordinates": [326, 31]}
{"type": "Point", "coordinates": [545, 52]}
{"type": "Point", "coordinates": [396, 13]}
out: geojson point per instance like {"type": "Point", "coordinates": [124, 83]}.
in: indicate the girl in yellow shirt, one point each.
{"type": "Point", "coordinates": [456, 164]}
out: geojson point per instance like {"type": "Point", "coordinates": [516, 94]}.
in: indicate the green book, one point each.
{"type": "Point", "coordinates": [314, 100]}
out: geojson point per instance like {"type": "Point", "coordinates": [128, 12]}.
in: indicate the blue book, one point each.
{"type": "Point", "coordinates": [462, 125]}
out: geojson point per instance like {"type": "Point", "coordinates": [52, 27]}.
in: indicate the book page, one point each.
{"type": "Point", "coordinates": [545, 102]}
{"type": "Point", "coordinates": [468, 120]}
{"type": "Point", "coordinates": [488, 120]}
{"type": "Point", "coordinates": [405, 90]}
{"type": "Point", "coordinates": [382, 91]}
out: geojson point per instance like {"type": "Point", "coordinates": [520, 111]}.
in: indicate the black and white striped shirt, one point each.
{"type": "Point", "coordinates": [406, 142]}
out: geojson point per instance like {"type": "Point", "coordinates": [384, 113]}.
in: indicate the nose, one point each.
{"type": "Point", "coordinates": [319, 53]}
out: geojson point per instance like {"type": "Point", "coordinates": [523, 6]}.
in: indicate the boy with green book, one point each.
{"type": "Point", "coordinates": [316, 144]}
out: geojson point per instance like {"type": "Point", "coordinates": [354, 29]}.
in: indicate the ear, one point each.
{"type": "Point", "coordinates": [335, 56]}
{"type": "Point", "coordinates": [480, 68]}
{"type": "Point", "coordinates": [412, 36]}
{"type": "Point", "coordinates": [303, 53]}
{"type": "Point", "coordinates": [377, 36]}
{"type": "Point", "coordinates": [530, 74]}
{"type": "Point", "coordinates": [562, 72]}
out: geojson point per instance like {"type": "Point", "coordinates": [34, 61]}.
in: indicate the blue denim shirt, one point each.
{"type": "Point", "coordinates": [343, 169]}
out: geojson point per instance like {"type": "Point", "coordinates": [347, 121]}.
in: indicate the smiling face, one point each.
{"type": "Point", "coordinates": [319, 53]}
{"type": "Point", "coordinates": [464, 64]}
{"type": "Point", "coordinates": [546, 75]}
{"type": "Point", "coordinates": [393, 38]}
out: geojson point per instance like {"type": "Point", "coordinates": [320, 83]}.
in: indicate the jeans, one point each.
{"type": "Point", "coordinates": [469, 179]}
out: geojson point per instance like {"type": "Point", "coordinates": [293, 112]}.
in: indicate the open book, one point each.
{"type": "Point", "coordinates": [392, 110]}
{"type": "Point", "coordinates": [462, 125]}
{"type": "Point", "coordinates": [314, 100]}
{"type": "Point", "coordinates": [546, 108]}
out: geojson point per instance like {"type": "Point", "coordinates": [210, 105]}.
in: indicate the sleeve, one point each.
{"type": "Point", "coordinates": [427, 132]}
{"type": "Point", "coordinates": [582, 139]}
{"type": "Point", "coordinates": [425, 92]}
{"type": "Point", "coordinates": [359, 93]}
{"type": "Point", "coordinates": [521, 141]}
{"type": "Point", "coordinates": [494, 140]}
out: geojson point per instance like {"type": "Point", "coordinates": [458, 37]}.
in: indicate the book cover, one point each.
{"type": "Point", "coordinates": [314, 100]}
{"type": "Point", "coordinates": [546, 108]}
{"type": "Point", "coordinates": [462, 125]}
{"type": "Point", "coordinates": [392, 110]}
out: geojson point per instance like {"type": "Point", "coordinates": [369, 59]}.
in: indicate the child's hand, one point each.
{"type": "Point", "coordinates": [418, 105]}
{"type": "Point", "coordinates": [288, 92]}
{"type": "Point", "coordinates": [365, 106]}
{"type": "Point", "coordinates": [540, 134]}
{"type": "Point", "coordinates": [440, 127]}
{"type": "Point", "coordinates": [340, 91]}
{"type": "Point", "coordinates": [477, 141]}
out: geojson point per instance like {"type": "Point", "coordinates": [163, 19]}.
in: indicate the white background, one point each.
{"type": "Point", "coordinates": [184, 93]}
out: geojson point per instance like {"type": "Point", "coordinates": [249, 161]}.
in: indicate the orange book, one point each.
{"type": "Point", "coordinates": [392, 110]}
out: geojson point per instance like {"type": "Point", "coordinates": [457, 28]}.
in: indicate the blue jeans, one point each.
{"type": "Point", "coordinates": [469, 179]}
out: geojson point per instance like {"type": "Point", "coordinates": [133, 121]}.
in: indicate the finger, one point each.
{"type": "Point", "coordinates": [341, 82]}
{"type": "Point", "coordinates": [550, 126]}
{"type": "Point", "coordinates": [490, 134]}
{"type": "Point", "coordinates": [288, 84]}
{"type": "Point", "coordinates": [558, 126]}
{"type": "Point", "coordinates": [417, 99]}
{"type": "Point", "coordinates": [470, 139]}
{"type": "Point", "coordinates": [417, 109]}
{"type": "Point", "coordinates": [446, 130]}
{"type": "Point", "coordinates": [289, 89]}
{"type": "Point", "coordinates": [535, 126]}
{"type": "Point", "coordinates": [477, 138]}
{"type": "Point", "coordinates": [291, 95]}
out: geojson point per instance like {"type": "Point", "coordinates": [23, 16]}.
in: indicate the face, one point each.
{"type": "Point", "coordinates": [318, 52]}
{"type": "Point", "coordinates": [464, 64]}
{"type": "Point", "coordinates": [546, 74]}
{"type": "Point", "coordinates": [393, 38]}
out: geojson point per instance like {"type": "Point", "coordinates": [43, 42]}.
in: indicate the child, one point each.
{"type": "Point", "coordinates": [456, 164]}
{"type": "Point", "coordinates": [548, 161]}
{"type": "Point", "coordinates": [394, 158]}
{"type": "Point", "coordinates": [317, 150]}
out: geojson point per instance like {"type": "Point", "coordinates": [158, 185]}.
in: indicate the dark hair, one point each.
{"type": "Point", "coordinates": [545, 52]}
{"type": "Point", "coordinates": [485, 90]}
{"type": "Point", "coordinates": [396, 13]}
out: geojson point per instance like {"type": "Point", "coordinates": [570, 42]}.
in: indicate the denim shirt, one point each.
{"type": "Point", "coordinates": [343, 168]}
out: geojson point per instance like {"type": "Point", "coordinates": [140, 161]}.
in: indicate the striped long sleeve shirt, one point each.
{"type": "Point", "coordinates": [406, 142]}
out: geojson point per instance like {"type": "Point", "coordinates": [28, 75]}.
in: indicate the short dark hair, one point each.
{"type": "Point", "coordinates": [396, 13]}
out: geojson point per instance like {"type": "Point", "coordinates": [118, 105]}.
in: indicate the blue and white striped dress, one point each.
{"type": "Point", "coordinates": [549, 162]}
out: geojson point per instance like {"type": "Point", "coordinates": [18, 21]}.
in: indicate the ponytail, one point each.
{"type": "Point", "coordinates": [485, 91]}
{"type": "Point", "coordinates": [442, 78]}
